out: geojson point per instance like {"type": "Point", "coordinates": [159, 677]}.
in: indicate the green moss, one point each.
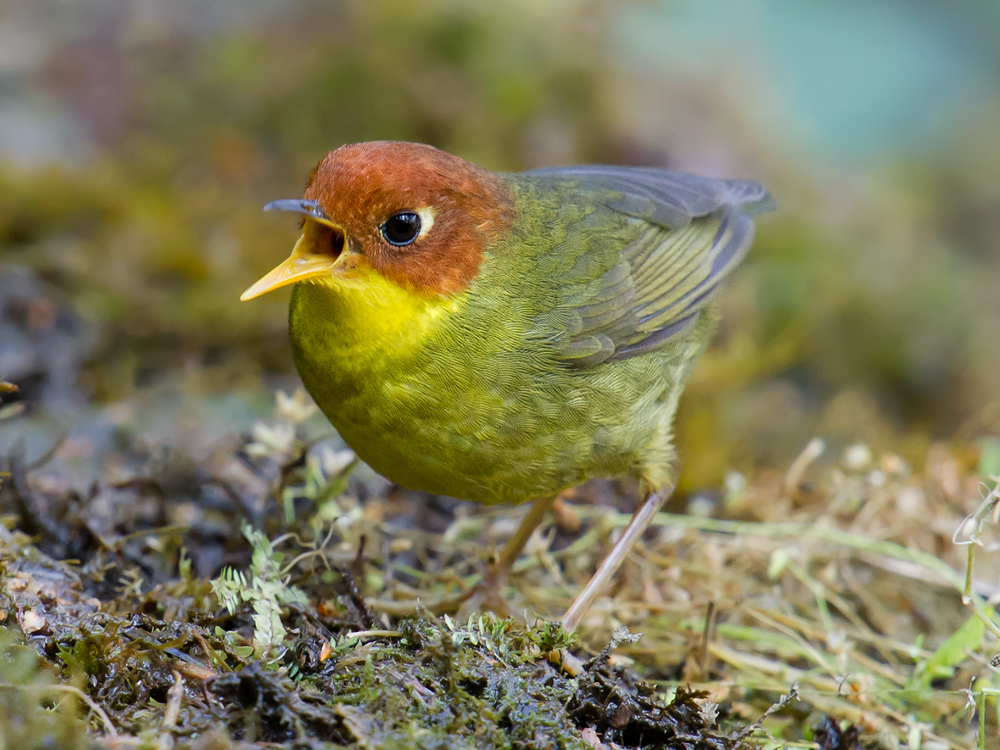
{"type": "Point", "coordinates": [32, 713]}
{"type": "Point", "coordinates": [485, 683]}
{"type": "Point", "coordinates": [441, 685]}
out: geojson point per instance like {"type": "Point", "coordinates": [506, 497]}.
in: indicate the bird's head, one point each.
{"type": "Point", "coordinates": [420, 217]}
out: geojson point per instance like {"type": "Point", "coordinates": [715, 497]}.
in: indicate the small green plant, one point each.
{"type": "Point", "coordinates": [550, 636]}
{"type": "Point", "coordinates": [266, 591]}
{"type": "Point", "coordinates": [485, 632]}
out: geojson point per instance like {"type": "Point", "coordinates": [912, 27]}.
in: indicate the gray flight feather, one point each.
{"type": "Point", "coordinates": [688, 235]}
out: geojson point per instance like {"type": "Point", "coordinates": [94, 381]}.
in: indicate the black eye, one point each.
{"type": "Point", "coordinates": [401, 229]}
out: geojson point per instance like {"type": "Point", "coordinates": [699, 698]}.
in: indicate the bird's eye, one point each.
{"type": "Point", "coordinates": [401, 229]}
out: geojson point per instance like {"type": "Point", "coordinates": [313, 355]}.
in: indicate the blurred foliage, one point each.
{"type": "Point", "coordinates": [866, 311]}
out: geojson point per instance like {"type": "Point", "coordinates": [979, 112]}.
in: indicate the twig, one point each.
{"type": "Point", "coordinates": [977, 521]}
{"type": "Point", "coordinates": [793, 478]}
{"type": "Point", "coordinates": [109, 727]}
{"type": "Point", "coordinates": [49, 454]}
{"type": "Point", "coordinates": [35, 520]}
{"type": "Point", "coordinates": [209, 652]}
{"type": "Point", "coordinates": [374, 634]}
{"type": "Point", "coordinates": [174, 696]}
{"type": "Point", "coordinates": [706, 637]}
{"type": "Point", "coordinates": [620, 636]}
{"type": "Point", "coordinates": [784, 700]}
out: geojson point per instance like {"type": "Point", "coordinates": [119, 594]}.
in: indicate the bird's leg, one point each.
{"type": "Point", "coordinates": [641, 519]}
{"type": "Point", "coordinates": [487, 593]}
{"type": "Point", "coordinates": [496, 574]}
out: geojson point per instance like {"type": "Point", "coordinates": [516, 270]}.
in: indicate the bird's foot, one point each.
{"type": "Point", "coordinates": [487, 593]}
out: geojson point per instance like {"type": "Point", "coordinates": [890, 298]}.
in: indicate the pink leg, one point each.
{"type": "Point", "coordinates": [488, 590]}
{"type": "Point", "coordinates": [609, 566]}
{"type": "Point", "coordinates": [496, 575]}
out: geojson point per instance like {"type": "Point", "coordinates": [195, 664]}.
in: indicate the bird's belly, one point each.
{"type": "Point", "coordinates": [425, 433]}
{"type": "Point", "coordinates": [424, 418]}
{"type": "Point", "coordinates": [452, 419]}
{"type": "Point", "coordinates": [473, 445]}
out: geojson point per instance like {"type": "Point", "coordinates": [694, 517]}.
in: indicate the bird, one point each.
{"type": "Point", "coordinates": [503, 337]}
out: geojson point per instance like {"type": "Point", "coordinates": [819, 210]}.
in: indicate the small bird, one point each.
{"type": "Point", "coordinates": [503, 337]}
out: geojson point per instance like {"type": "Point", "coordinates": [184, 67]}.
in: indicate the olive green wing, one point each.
{"type": "Point", "coordinates": [651, 255]}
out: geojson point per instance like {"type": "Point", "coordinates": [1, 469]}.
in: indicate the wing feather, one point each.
{"type": "Point", "coordinates": [685, 234]}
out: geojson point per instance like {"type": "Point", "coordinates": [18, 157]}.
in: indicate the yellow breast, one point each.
{"type": "Point", "coordinates": [367, 317]}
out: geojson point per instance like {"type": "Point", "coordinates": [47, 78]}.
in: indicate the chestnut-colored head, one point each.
{"type": "Point", "coordinates": [419, 216]}
{"type": "Point", "coordinates": [373, 190]}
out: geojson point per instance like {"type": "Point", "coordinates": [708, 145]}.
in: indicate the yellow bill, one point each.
{"type": "Point", "coordinates": [316, 253]}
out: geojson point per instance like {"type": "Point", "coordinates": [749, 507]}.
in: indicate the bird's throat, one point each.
{"type": "Point", "coordinates": [359, 325]}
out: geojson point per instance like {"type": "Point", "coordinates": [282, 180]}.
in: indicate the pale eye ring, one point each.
{"type": "Point", "coordinates": [401, 229]}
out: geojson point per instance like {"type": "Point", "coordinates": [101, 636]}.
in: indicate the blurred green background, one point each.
{"type": "Point", "coordinates": [139, 139]}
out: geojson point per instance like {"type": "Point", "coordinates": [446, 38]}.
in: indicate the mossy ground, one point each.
{"type": "Point", "coordinates": [193, 681]}
{"type": "Point", "coordinates": [329, 624]}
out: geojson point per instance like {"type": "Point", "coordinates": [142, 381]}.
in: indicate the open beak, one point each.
{"type": "Point", "coordinates": [316, 253]}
